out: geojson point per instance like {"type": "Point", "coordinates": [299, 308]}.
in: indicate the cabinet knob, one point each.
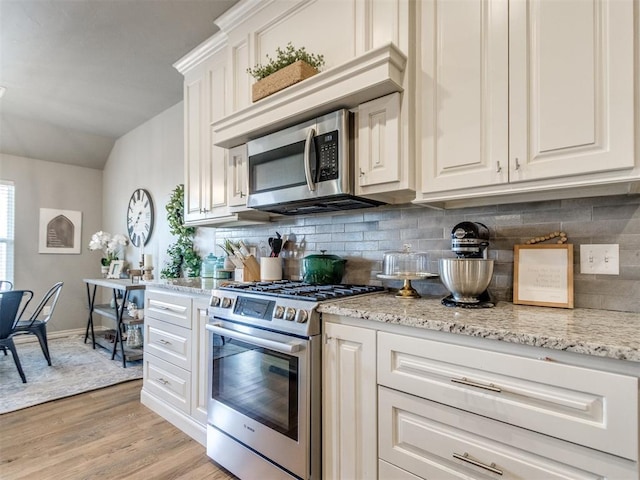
{"type": "Point", "coordinates": [517, 164]}
{"type": "Point", "coordinates": [361, 173]}
{"type": "Point", "coordinates": [498, 167]}
{"type": "Point", "coordinates": [242, 194]}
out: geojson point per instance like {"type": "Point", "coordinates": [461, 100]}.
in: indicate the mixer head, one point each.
{"type": "Point", "coordinates": [470, 240]}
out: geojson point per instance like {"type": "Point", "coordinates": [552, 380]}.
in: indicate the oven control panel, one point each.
{"type": "Point", "coordinates": [288, 315]}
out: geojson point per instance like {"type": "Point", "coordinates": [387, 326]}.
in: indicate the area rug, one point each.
{"type": "Point", "coordinates": [76, 368]}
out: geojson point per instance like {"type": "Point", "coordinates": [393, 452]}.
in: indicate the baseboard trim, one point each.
{"type": "Point", "coordinates": [57, 334]}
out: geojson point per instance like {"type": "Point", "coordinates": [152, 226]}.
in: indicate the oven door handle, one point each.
{"type": "Point", "coordinates": [290, 347]}
{"type": "Point", "coordinates": [307, 159]}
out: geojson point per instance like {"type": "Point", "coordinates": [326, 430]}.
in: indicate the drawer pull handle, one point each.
{"type": "Point", "coordinates": [469, 383]}
{"type": "Point", "coordinates": [163, 381]}
{"type": "Point", "coordinates": [466, 458]}
{"type": "Point", "coordinates": [164, 342]}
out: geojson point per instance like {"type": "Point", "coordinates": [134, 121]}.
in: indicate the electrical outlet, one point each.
{"type": "Point", "coordinates": [601, 259]}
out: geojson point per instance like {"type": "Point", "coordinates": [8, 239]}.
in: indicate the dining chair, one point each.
{"type": "Point", "coordinates": [5, 285]}
{"type": "Point", "coordinates": [12, 305]}
{"type": "Point", "coordinates": [37, 322]}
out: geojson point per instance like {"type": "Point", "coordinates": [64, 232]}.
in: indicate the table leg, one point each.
{"type": "Point", "coordinates": [119, 313]}
{"type": "Point", "coordinates": [91, 299]}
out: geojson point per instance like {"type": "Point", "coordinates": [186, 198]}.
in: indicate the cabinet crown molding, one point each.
{"type": "Point", "coordinates": [373, 74]}
{"type": "Point", "coordinates": [210, 46]}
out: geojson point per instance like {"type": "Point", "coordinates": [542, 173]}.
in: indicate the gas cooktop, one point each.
{"type": "Point", "coordinates": [302, 290]}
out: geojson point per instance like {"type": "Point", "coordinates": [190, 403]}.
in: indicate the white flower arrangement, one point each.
{"type": "Point", "coordinates": [110, 245]}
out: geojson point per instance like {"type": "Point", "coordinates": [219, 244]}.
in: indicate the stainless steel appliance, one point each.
{"type": "Point", "coordinates": [264, 388]}
{"type": "Point", "coordinates": [468, 275]}
{"type": "Point", "coordinates": [306, 168]}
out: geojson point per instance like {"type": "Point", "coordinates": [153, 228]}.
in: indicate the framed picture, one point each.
{"type": "Point", "coordinates": [59, 231]}
{"type": "Point", "coordinates": [115, 268]}
{"type": "Point", "coordinates": [543, 275]}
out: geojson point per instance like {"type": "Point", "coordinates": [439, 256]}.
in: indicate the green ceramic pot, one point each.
{"type": "Point", "coordinates": [323, 269]}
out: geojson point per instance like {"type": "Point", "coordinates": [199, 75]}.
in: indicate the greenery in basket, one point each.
{"type": "Point", "coordinates": [183, 257]}
{"type": "Point", "coordinates": [284, 58]}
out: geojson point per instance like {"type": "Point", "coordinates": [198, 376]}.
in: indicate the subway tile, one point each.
{"type": "Point", "coordinates": [610, 212]}
{"type": "Point", "coordinates": [347, 236]}
{"type": "Point", "coordinates": [361, 227]}
{"type": "Point", "coordinates": [360, 246]}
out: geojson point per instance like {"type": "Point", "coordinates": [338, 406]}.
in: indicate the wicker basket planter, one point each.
{"type": "Point", "coordinates": [283, 78]}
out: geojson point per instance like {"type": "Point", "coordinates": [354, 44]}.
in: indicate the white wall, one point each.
{"type": "Point", "coordinates": [42, 184]}
{"type": "Point", "coordinates": [150, 157]}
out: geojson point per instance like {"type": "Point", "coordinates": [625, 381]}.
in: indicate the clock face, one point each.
{"type": "Point", "coordinates": [140, 217]}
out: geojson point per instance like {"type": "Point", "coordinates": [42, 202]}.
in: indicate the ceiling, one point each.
{"type": "Point", "coordinates": [81, 73]}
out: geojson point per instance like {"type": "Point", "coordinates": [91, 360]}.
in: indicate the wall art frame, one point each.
{"type": "Point", "coordinates": [543, 275]}
{"type": "Point", "coordinates": [60, 231]}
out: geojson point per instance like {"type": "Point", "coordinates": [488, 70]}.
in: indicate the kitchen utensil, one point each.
{"type": "Point", "coordinates": [466, 278]}
{"type": "Point", "coordinates": [276, 245]}
{"type": "Point", "coordinates": [323, 269]}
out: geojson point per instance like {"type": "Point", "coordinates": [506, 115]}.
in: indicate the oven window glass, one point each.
{"type": "Point", "coordinates": [258, 382]}
{"type": "Point", "coordinates": [276, 169]}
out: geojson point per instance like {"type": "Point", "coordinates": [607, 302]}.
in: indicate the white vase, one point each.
{"type": "Point", "coordinates": [104, 270]}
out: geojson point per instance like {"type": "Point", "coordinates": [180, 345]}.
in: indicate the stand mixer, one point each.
{"type": "Point", "coordinates": [468, 275]}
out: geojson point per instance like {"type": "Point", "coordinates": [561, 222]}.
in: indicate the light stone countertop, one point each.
{"type": "Point", "coordinates": [594, 332]}
{"type": "Point", "coordinates": [601, 333]}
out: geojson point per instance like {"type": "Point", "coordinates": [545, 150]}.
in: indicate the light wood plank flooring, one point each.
{"type": "Point", "coordinates": [105, 434]}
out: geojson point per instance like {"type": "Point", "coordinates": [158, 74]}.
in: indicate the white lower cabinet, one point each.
{"type": "Point", "coordinates": [349, 403]}
{"type": "Point", "coordinates": [432, 440]}
{"type": "Point", "coordinates": [461, 409]}
{"type": "Point", "coordinates": [174, 374]}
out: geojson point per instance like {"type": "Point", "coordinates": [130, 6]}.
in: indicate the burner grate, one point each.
{"type": "Point", "coordinates": [304, 291]}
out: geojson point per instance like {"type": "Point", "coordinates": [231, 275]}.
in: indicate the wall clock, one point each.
{"type": "Point", "coordinates": [140, 217]}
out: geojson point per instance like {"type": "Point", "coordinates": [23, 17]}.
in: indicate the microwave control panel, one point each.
{"type": "Point", "coordinates": [327, 148]}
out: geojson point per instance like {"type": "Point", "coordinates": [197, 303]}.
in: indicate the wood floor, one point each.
{"type": "Point", "coordinates": [105, 434]}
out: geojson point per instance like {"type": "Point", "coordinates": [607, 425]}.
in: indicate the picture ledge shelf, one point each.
{"type": "Point", "coordinates": [374, 74]}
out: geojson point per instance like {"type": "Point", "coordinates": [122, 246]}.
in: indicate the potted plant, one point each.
{"type": "Point", "coordinates": [290, 66]}
{"type": "Point", "coordinates": [183, 257]}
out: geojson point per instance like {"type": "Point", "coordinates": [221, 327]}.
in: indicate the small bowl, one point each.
{"type": "Point", "coordinates": [466, 278]}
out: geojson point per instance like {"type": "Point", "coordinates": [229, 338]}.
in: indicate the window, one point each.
{"type": "Point", "coordinates": [7, 208]}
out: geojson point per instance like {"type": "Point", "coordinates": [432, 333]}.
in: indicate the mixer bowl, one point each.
{"type": "Point", "coordinates": [466, 278]}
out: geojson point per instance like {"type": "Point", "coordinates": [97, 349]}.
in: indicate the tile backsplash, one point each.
{"type": "Point", "coordinates": [362, 237]}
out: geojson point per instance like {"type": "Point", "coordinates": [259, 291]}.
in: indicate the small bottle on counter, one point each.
{"type": "Point", "coordinates": [208, 266]}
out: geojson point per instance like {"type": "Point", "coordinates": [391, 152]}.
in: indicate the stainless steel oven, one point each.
{"type": "Point", "coordinates": [264, 351]}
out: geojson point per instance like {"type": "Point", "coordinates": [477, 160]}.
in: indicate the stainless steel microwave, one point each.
{"type": "Point", "coordinates": [306, 168]}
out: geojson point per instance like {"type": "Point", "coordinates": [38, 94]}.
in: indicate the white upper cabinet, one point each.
{"type": "Point", "coordinates": [524, 96]}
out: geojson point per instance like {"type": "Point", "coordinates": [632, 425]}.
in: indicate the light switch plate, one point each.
{"type": "Point", "coordinates": [601, 259]}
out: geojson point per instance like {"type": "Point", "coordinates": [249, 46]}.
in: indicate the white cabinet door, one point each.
{"type": "Point", "coordinates": [463, 91]}
{"type": "Point", "coordinates": [349, 403]}
{"type": "Point", "coordinates": [571, 87]}
{"type": "Point", "coordinates": [197, 161]}
{"type": "Point", "coordinates": [199, 362]}
{"type": "Point", "coordinates": [522, 96]}
{"type": "Point", "coordinates": [205, 164]}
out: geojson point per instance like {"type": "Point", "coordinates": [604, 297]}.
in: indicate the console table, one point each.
{"type": "Point", "coordinates": [123, 286]}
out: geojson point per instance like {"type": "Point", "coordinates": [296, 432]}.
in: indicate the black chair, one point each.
{"type": "Point", "coordinates": [12, 305]}
{"type": "Point", "coordinates": [5, 285]}
{"type": "Point", "coordinates": [37, 322]}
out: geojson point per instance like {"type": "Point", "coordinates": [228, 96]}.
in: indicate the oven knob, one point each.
{"type": "Point", "coordinates": [302, 316]}
{"type": "Point", "coordinates": [215, 301]}
{"type": "Point", "coordinates": [227, 302]}
{"type": "Point", "coordinates": [290, 314]}
{"type": "Point", "coordinates": [279, 313]}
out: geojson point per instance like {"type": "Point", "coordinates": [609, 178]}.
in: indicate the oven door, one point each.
{"type": "Point", "coordinates": [260, 391]}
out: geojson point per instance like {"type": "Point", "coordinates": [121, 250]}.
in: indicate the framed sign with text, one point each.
{"type": "Point", "coordinates": [543, 275]}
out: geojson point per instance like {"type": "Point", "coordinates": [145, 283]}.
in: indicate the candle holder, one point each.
{"type": "Point", "coordinates": [148, 275]}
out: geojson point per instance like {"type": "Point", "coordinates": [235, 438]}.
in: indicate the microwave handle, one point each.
{"type": "Point", "coordinates": [291, 347]}
{"type": "Point", "coordinates": [307, 159]}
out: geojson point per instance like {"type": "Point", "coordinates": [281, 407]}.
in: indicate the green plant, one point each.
{"type": "Point", "coordinates": [283, 58]}
{"type": "Point", "coordinates": [183, 257]}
